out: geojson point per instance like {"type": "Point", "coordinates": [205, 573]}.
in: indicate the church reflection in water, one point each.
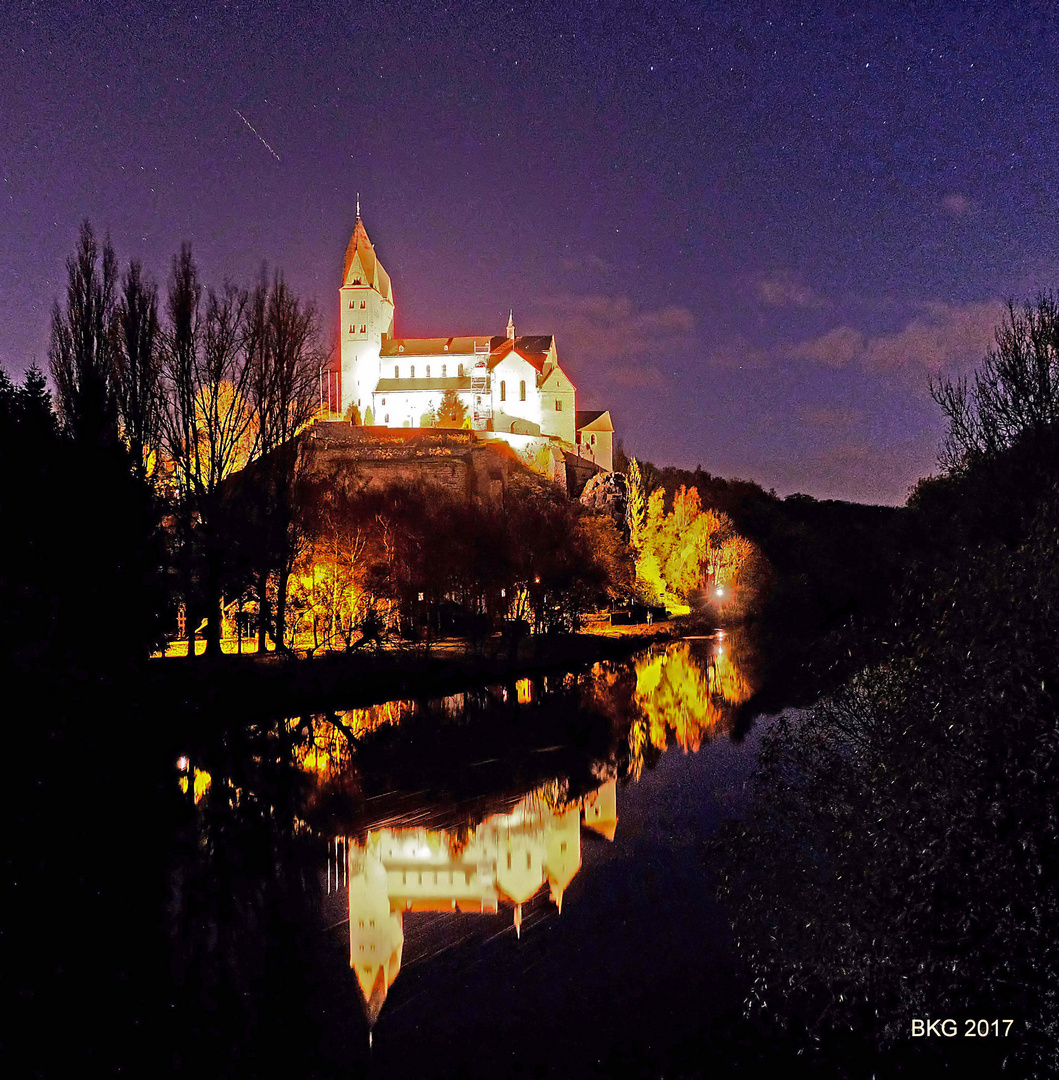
{"type": "Point", "coordinates": [682, 694]}
{"type": "Point", "coordinates": [507, 860]}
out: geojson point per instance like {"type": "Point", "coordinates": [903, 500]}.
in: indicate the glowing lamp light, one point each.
{"type": "Point", "coordinates": [182, 764]}
{"type": "Point", "coordinates": [720, 590]}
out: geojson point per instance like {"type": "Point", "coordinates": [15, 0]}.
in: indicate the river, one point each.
{"type": "Point", "coordinates": [506, 882]}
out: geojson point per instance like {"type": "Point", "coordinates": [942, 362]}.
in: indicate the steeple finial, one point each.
{"type": "Point", "coordinates": [358, 205]}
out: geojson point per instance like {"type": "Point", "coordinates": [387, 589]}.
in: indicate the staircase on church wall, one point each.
{"type": "Point", "coordinates": [481, 419]}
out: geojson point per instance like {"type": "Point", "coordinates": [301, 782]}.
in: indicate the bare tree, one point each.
{"type": "Point", "coordinates": [138, 370]}
{"type": "Point", "coordinates": [1013, 397]}
{"type": "Point", "coordinates": [285, 360]}
{"type": "Point", "coordinates": [82, 349]}
{"type": "Point", "coordinates": [208, 423]}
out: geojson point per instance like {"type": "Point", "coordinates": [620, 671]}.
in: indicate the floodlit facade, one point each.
{"type": "Point", "coordinates": [510, 386]}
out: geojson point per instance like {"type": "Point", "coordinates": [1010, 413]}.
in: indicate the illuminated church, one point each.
{"type": "Point", "coordinates": [508, 386]}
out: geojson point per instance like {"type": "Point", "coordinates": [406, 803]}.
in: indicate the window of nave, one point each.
{"type": "Point", "coordinates": [522, 390]}
{"type": "Point", "coordinates": [503, 390]}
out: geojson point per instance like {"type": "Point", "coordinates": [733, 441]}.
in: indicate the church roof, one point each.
{"type": "Point", "coordinates": [533, 348]}
{"type": "Point", "coordinates": [395, 386]}
{"type": "Point", "coordinates": [361, 260]}
{"type": "Point", "coordinates": [595, 419]}
{"type": "Point", "coordinates": [435, 346]}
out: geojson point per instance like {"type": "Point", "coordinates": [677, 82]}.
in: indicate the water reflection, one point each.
{"type": "Point", "coordinates": [505, 861]}
{"type": "Point", "coordinates": [687, 691]}
{"type": "Point", "coordinates": [684, 693]}
{"type": "Point", "coordinates": [474, 804]}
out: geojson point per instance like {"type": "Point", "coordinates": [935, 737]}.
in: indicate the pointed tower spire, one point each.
{"type": "Point", "coordinates": [518, 920]}
{"type": "Point", "coordinates": [511, 325]}
{"type": "Point", "coordinates": [358, 206]}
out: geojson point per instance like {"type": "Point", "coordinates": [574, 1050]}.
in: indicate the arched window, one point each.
{"type": "Point", "coordinates": [503, 390]}
{"type": "Point", "coordinates": [461, 371]}
{"type": "Point", "coordinates": [428, 371]}
{"type": "Point", "coordinates": [522, 390]}
{"type": "Point", "coordinates": [412, 372]}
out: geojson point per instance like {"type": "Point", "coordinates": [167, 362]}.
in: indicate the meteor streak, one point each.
{"type": "Point", "coordinates": [254, 130]}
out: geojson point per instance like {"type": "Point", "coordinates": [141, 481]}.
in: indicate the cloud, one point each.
{"type": "Point", "coordinates": [785, 290]}
{"type": "Point", "coordinates": [740, 354]}
{"type": "Point", "coordinates": [958, 206]}
{"type": "Point", "coordinates": [942, 339]}
{"type": "Point", "coordinates": [837, 348]}
{"type": "Point", "coordinates": [614, 336]}
{"type": "Point", "coordinates": [589, 265]}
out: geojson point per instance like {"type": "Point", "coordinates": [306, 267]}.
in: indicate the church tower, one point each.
{"type": "Point", "coordinates": [366, 317]}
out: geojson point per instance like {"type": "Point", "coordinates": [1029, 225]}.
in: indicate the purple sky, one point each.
{"type": "Point", "coordinates": [756, 230]}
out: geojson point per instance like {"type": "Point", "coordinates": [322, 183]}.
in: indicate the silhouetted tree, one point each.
{"type": "Point", "coordinates": [137, 382]}
{"type": "Point", "coordinates": [208, 422]}
{"type": "Point", "coordinates": [82, 352]}
{"type": "Point", "coordinates": [285, 358]}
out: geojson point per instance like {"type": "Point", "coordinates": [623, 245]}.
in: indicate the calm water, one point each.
{"type": "Point", "coordinates": [511, 882]}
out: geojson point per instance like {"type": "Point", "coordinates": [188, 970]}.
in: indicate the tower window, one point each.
{"type": "Point", "coordinates": [363, 329]}
{"type": "Point", "coordinates": [352, 304]}
{"type": "Point", "coordinates": [558, 405]}
{"type": "Point", "coordinates": [428, 371]}
{"type": "Point", "coordinates": [363, 304]}
{"type": "Point", "coordinates": [461, 371]}
{"type": "Point", "coordinates": [386, 418]}
{"type": "Point", "coordinates": [396, 371]}
{"type": "Point", "coordinates": [444, 370]}
{"type": "Point", "coordinates": [503, 390]}
{"type": "Point", "coordinates": [522, 390]}
{"type": "Point", "coordinates": [412, 372]}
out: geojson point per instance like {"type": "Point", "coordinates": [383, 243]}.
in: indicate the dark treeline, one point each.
{"type": "Point", "coordinates": [901, 857]}
{"type": "Point", "coordinates": [833, 564]}
{"type": "Point", "coordinates": [108, 496]}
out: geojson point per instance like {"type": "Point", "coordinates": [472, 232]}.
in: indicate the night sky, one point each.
{"type": "Point", "coordinates": [756, 230]}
